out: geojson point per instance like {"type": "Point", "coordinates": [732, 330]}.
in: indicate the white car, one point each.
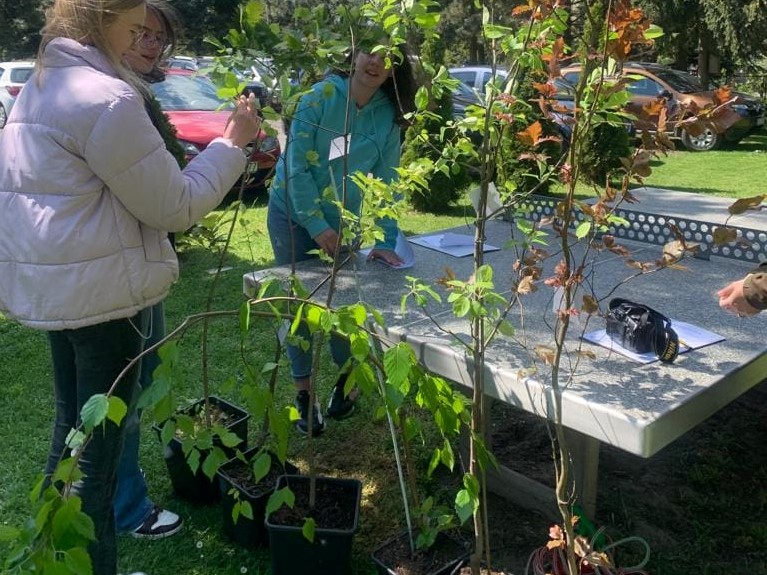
{"type": "Point", "coordinates": [13, 75]}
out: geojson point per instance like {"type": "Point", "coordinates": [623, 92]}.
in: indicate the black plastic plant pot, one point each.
{"type": "Point", "coordinates": [336, 514]}
{"type": "Point", "coordinates": [237, 474]}
{"type": "Point", "coordinates": [445, 557]}
{"type": "Point", "coordinates": [198, 487]}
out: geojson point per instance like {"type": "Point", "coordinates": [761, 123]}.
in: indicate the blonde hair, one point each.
{"type": "Point", "coordinates": [86, 22]}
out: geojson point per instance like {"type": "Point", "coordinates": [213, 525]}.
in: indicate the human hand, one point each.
{"type": "Point", "coordinates": [327, 240]}
{"type": "Point", "coordinates": [388, 256]}
{"type": "Point", "coordinates": [733, 299]}
{"type": "Point", "coordinates": [244, 123]}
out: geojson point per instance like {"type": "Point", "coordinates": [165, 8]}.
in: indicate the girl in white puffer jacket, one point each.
{"type": "Point", "coordinates": [82, 254]}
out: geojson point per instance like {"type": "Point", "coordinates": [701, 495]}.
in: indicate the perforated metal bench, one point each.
{"type": "Point", "coordinates": [657, 228]}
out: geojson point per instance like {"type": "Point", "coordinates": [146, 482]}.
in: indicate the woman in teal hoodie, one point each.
{"type": "Point", "coordinates": [344, 124]}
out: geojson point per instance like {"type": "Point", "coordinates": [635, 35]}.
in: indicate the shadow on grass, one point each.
{"type": "Point", "coordinates": [695, 190]}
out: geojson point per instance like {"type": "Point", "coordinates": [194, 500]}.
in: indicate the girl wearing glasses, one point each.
{"type": "Point", "coordinates": [87, 187]}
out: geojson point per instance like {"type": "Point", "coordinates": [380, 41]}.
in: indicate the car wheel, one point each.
{"type": "Point", "coordinates": [3, 117]}
{"type": "Point", "coordinates": [704, 142]}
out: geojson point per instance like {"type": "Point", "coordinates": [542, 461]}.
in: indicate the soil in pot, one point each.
{"type": "Point", "coordinates": [198, 487]}
{"type": "Point", "coordinates": [336, 516]}
{"type": "Point", "coordinates": [238, 474]}
{"type": "Point", "coordinates": [444, 557]}
{"type": "Point", "coordinates": [331, 511]}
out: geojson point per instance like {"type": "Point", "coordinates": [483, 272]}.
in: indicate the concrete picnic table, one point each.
{"type": "Point", "coordinates": [638, 408]}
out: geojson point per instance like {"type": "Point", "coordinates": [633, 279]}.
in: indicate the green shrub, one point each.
{"type": "Point", "coordinates": [605, 145]}
{"type": "Point", "coordinates": [422, 140]}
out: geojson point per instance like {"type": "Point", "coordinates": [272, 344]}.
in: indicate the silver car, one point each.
{"type": "Point", "coordinates": [13, 75]}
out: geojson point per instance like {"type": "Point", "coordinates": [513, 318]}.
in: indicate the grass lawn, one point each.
{"type": "Point", "coordinates": [738, 172]}
{"type": "Point", "coordinates": [356, 447]}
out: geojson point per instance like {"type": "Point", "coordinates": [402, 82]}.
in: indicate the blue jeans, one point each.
{"type": "Point", "coordinates": [87, 361]}
{"type": "Point", "coordinates": [132, 503]}
{"type": "Point", "coordinates": [280, 231]}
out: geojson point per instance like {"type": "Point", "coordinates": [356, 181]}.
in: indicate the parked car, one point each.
{"type": "Point", "coordinates": [467, 93]}
{"type": "Point", "coordinates": [648, 81]}
{"type": "Point", "coordinates": [13, 75]}
{"type": "Point", "coordinates": [181, 63]}
{"type": "Point", "coordinates": [473, 80]}
{"type": "Point", "coordinates": [200, 115]}
{"type": "Point", "coordinates": [475, 77]}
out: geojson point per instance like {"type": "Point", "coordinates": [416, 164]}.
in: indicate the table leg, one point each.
{"type": "Point", "coordinates": [531, 494]}
{"type": "Point", "coordinates": [584, 453]}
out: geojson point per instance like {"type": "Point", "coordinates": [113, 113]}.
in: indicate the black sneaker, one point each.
{"type": "Point", "coordinates": [302, 405]}
{"type": "Point", "coordinates": [160, 523]}
{"type": "Point", "coordinates": [340, 405]}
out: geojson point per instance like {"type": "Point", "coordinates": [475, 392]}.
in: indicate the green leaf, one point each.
{"type": "Point", "coordinates": [461, 306]}
{"type": "Point", "coordinates": [359, 313]}
{"type": "Point", "coordinates": [582, 230]}
{"type": "Point", "coordinates": [244, 319]}
{"type": "Point", "coordinates": [261, 466]}
{"type": "Point", "coordinates": [65, 533]}
{"type": "Point", "coordinates": [243, 508]}
{"type": "Point", "coordinates": [495, 32]}
{"type": "Point", "coordinates": [253, 12]}
{"type": "Point", "coordinates": [279, 498]}
{"type": "Point", "coordinates": [297, 319]}
{"type": "Point", "coordinates": [422, 98]}
{"type": "Point", "coordinates": [78, 561]}
{"type": "Point", "coordinates": [215, 459]}
{"type": "Point", "coordinates": [484, 274]}
{"type": "Point", "coordinates": [653, 31]}
{"type": "Point", "coordinates": [229, 438]}
{"type": "Point", "coordinates": [506, 328]}
{"type": "Point", "coordinates": [309, 528]}
{"type": "Point", "coordinates": [465, 505]}
{"type": "Point", "coordinates": [397, 362]}
{"type": "Point", "coordinates": [193, 460]}
{"type": "Point", "coordinates": [94, 412]}
{"type": "Point", "coordinates": [67, 471]}
{"type": "Point", "coordinates": [314, 317]}
{"type": "Point", "coordinates": [116, 410]}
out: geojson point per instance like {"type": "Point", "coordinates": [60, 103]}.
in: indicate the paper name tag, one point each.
{"type": "Point", "coordinates": [339, 147]}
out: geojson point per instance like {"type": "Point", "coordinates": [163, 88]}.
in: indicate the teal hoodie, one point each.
{"type": "Point", "coordinates": [309, 166]}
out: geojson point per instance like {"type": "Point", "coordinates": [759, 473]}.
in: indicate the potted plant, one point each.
{"type": "Point", "coordinates": [200, 437]}
{"type": "Point", "coordinates": [426, 546]}
{"type": "Point", "coordinates": [246, 483]}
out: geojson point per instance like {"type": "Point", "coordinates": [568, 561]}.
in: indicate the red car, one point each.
{"type": "Point", "coordinates": [199, 115]}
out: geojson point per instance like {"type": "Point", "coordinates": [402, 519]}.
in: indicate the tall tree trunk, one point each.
{"type": "Point", "coordinates": [706, 44]}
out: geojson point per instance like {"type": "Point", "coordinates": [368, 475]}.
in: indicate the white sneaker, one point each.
{"type": "Point", "coordinates": [160, 523]}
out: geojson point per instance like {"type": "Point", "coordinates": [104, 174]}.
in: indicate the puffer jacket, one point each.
{"type": "Point", "coordinates": [86, 186]}
{"type": "Point", "coordinates": [755, 287]}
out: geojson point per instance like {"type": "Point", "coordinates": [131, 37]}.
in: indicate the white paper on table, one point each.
{"type": "Point", "coordinates": [457, 245]}
{"type": "Point", "coordinates": [690, 337]}
{"type": "Point", "coordinates": [402, 248]}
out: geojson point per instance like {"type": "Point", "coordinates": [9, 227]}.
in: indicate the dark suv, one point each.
{"type": "Point", "coordinates": [683, 91]}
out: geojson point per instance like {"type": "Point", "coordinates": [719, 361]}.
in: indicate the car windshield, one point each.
{"type": "Point", "coordinates": [20, 75]}
{"type": "Point", "coordinates": [680, 81]}
{"type": "Point", "coordinates": [181, 92]}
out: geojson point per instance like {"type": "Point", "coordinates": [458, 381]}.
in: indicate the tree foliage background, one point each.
{"type": "Point", "coordinates": [735, 31]}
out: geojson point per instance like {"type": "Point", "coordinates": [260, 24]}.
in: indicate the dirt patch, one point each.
{"type": "Point", "coordinates": [699, 503]}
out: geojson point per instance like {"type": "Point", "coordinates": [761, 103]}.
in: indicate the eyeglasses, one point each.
{"type": "Point", "coordinates": [138, 35]}
{"type": "Point", "coordinates": [149, 40]}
